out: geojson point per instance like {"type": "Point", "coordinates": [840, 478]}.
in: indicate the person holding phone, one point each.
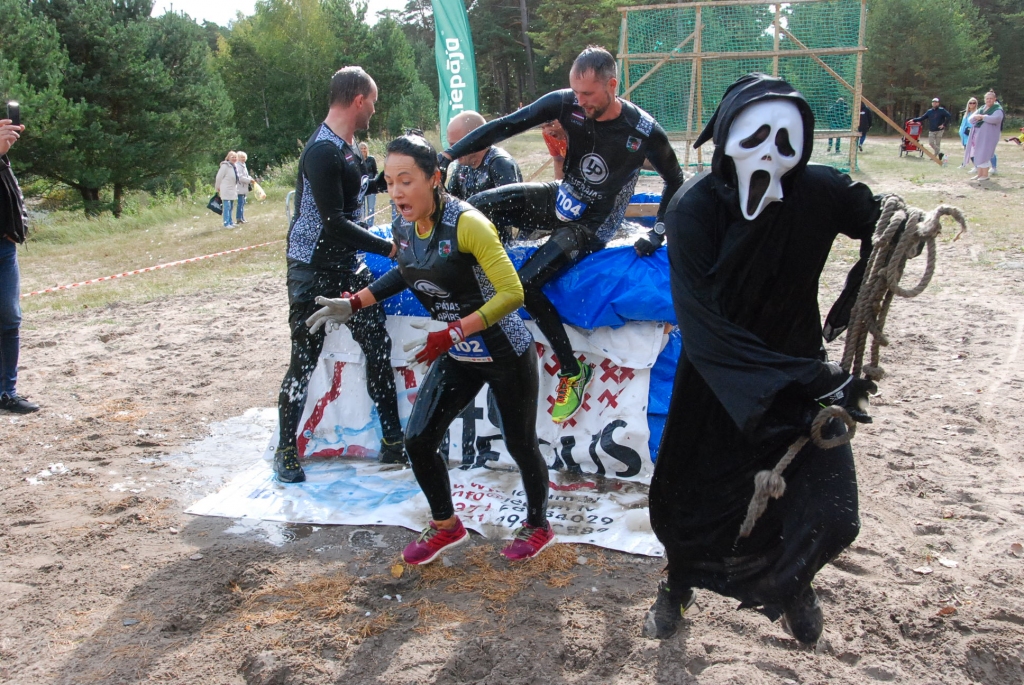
{"type": "Point", "coordinates": [13, 220]}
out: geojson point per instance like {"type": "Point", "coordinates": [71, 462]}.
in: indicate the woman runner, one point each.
{"type": "Point", "coordinates": [450, 256]}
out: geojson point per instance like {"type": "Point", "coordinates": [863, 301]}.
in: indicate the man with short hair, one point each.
{"type": "Point", "coordinates": [608, 141]}
{"type": "Point", "coordinates": [323, 242]}
{"type": "Point", "coordinates": [479, 171]}
{"type": "Point", "coordinates": [938, 119]}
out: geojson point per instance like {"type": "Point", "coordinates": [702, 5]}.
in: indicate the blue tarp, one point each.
{"type": "Point", "coordinates": [607, 288]}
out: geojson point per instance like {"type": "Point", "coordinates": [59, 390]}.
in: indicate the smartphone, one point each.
{"type": "Point", "coordinates": [14, 113]}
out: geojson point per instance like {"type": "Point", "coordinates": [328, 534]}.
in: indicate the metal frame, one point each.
{"type": "Point", "coordinates": [696, 56]}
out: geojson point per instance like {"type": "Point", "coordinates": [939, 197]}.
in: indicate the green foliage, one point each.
{"type": "Point", "coordinates": [919, 49]}
{"type": "Point", "coordinates": [114, 98]}
{"type": "Point", "coordinates": [277, 65]}
{"type": "Point", "coordinates": [568, 26]}
{"type": "Point", "coordinates": [1006, 20]}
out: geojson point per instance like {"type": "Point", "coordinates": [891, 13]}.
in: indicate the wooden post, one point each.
{"type": "Point", "coordinates": [657, 65]}
{"type": "Point", "coordinates": [624, 54]}
{"type": "Point", "coordinates": [698, 29]}
{"type": "Point", "coordinates": [775, 41]}
{"type": "Point", "coordinates": [859, 85]}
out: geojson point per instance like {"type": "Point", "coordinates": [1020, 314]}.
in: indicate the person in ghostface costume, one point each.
{"type": "Point", "coordinates": [747, 244]}
{"type": "Point", "coordinates": [323, 244]}
{"type": "Point", "coordinates": [608, 141]}
{"type": "Point", "coordinates": [451, 258]}
{"type": "Point", "coordinates": [489, 168]}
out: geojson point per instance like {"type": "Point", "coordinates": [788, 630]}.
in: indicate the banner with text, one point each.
{"type": "Point", "coordinates": [456, 65]}
{"type": "Point", "coordinates": [607, 437]}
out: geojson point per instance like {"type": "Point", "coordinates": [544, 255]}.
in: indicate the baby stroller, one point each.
{"type": "Point", "coordinates": [913, 130]}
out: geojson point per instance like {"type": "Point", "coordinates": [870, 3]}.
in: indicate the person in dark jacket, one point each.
{"type": "Point", "coordinates": [370, 201]}
{"type": "Point", "coordinates": [938, 119]}
{"type": "Point", "coordinates": [838, 119]}
{"type": "Point", "coordinates": [864, 126]}
{"type": "Point", "coordinates": [747, 244]}
{"type": "Point", "coordinates": [13, 219]}
{"type": "Point", "coordinates": [479, 171]}
{"type": "Point", "coordinates": [324, 242]}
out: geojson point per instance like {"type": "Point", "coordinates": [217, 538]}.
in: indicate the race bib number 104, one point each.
{"type": "Point", "coordinates": [567, 207]}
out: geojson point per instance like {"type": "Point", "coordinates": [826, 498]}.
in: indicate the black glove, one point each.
{"type": "Point", "coordinates": [835, 387]}
{"type": "Point", "coordinates": [649, 244]}
{"type": "Point", "coordinates": [442, 164]}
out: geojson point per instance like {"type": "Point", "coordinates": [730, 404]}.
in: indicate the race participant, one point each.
{"type": "Point", "coordinates": [450, 256]}
{"type": "Point", "coordinates": [479, 171]}
{"type": "Point", "coordinates": [322, 260]}
{"type": "Point", "coordinates": [608, 141]}
{"type": "Point", "coordinates": [475, 173]}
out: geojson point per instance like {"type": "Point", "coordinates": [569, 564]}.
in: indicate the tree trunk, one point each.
{"type": "Point", "coordinates": [91, 198]}
{"type": "Point", "coordinates": [118, 199]}
{"type": "Point", "coordinates": [524, 18]}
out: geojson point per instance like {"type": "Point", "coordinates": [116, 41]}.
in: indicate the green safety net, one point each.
{"type": "Point", "coordinates": [670, 95]}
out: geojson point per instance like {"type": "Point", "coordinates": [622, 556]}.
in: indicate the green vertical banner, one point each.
{"type": "Point", "coordinates": [456, 66]}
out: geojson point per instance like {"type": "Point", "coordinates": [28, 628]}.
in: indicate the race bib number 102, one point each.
{"type": "Point", "coordinates": [567, 207]}
{"type": "Point", "coordinates": [472, 349]}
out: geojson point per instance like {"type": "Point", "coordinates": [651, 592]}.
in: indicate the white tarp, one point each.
{"type": "Point", "coordinates": [609, 513]}
{"type": "Point", "coordinates": [608, 436]}
{"type": "Point", "coordinates": [600, 462]}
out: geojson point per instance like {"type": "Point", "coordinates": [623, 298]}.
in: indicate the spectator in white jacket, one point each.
{"type": "Point", "coordinates": [243, 185]}
{"type": "Point", "coordinates": [226, 186]}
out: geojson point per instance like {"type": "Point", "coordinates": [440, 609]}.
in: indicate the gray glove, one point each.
{"type": "Point", "coordinates": [335, 311]}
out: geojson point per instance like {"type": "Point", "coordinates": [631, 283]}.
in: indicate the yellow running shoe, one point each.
{"type": "Point", "coordinates": [569, 397]}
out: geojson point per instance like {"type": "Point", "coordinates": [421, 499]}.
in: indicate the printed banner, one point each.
{"type": "Point", "coordinates": [456, 66]}
{"type": "Point", "coordinates": [607, 437]}
{"type": "Point", "coordinates": [359, 492]}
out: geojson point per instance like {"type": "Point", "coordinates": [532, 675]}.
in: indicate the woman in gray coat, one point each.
{"type": "Point", "coordinates": [226, 186]}
{"type": "Point", "coordinates": [243, 185]}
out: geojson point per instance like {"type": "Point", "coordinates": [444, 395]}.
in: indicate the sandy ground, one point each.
{"type": "Point", "coordinates": [103, 579]}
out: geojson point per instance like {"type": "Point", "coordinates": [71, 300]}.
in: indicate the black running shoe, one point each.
{"type": "Point", "coordinates": [287, 467]}
{"type": "Point", "coordinates": [16, 404]}
{"type": "Point", "coordinates": [802, 617]}
{"type": "Point", "coordinates": [665, 615]}
{"type": "Point", "coordinates": [392, 452]}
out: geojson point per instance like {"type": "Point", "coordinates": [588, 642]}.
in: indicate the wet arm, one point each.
{"type": "Point", "coordinates": [491, 133]}
{"type": "Point", "coordinates": [479, 237]}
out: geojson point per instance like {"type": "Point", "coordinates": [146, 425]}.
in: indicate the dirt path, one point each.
{"type": "Point", "coordinates": [101, 578]}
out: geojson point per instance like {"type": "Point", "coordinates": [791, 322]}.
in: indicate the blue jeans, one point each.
{"type": "Point", "coordinates": [10, 316]}
{"type": "Point", "coordinates": [863, 136]}
{"type": "Point", "coordinates": [240, 214]}
{"type": "Point", "coordinates": [228, 206]}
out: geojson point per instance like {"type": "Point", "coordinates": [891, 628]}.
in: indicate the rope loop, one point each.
{"type": "Point", "coordinates": [885, 269]}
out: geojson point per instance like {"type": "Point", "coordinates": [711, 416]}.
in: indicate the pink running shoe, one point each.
{"type": "Point", "coordinates": [528, 542]}
{"type": "Point", "coordinates": [432, 541]}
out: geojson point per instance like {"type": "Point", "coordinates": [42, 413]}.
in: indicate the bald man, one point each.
{"type": "Point", "coordinates": [479, 171]}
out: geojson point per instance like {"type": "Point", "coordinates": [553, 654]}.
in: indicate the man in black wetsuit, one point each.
{"type": "Point", "coordinates": [323, 241]}
{"type": "Point", "coordinates": [609, 139]}
{"type": "Point", "coordinates": [479, 171]}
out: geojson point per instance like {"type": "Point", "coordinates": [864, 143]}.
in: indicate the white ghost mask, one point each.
{"type": "Point", "coordinates": [765, 141]}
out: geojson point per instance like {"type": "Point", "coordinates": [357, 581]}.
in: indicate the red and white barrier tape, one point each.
{"type": "Point", "coordinates": [148, 268]}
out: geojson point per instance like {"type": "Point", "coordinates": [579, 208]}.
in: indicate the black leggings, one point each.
{"type": "Point", "coordinates": [447, 389]}
{"type": "Point", "coordinates": [369, 332]}
{"type": "Point", "coordinates": [531, 207]}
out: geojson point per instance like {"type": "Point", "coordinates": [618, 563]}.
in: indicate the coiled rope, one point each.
{"type": "Point", "coordinates": [893, 246]}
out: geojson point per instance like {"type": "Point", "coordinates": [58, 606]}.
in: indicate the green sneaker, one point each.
{"type": "Point", "coordinates": [569, 397]}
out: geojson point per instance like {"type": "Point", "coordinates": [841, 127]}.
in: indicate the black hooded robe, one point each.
{"type": "Point", "coordinates": [745, 294]}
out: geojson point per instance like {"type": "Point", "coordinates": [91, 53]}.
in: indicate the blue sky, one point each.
{"type": "Point", "coordinates": [223, 11]}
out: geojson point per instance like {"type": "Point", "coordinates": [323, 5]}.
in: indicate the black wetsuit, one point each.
{"type": "Point", "coordinates": [323, 241]}
{"type": "Point", "coordinates": [451, 284]}
{"type": "Point", "coordinates": [498, 168]}
{"type": "Point", "coordinates": [584, 210]}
